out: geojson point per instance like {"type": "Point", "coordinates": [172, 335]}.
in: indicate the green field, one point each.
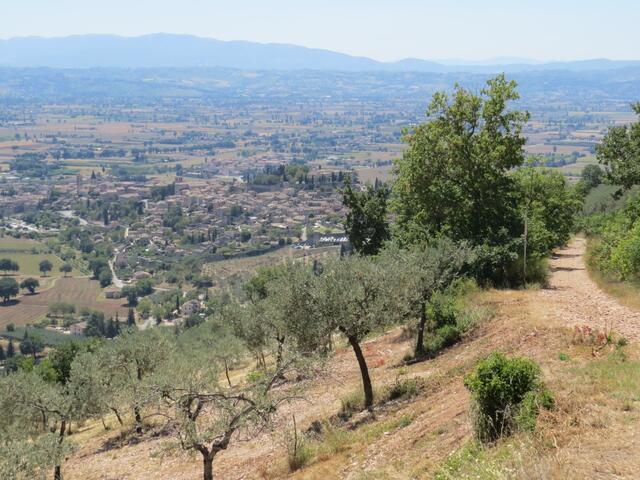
{"type": "Point", "coordinates": [28, 254]}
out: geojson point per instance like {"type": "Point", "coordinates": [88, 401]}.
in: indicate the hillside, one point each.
{"type": "Point", "coordinates": [593, 424]}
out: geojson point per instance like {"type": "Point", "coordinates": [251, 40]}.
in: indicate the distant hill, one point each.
{"type": "Point", "coordinates": [169, 50]}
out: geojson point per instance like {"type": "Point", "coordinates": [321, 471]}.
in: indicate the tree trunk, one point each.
{"type": "Point", "coordinates": [207, 466]}
{"type": "Point", "coordinates": [115, 410]}
{"type": "Point", "coordinates": [280, 341]}
{"type": "Point", "coordinates": [138, 418]}
{"type": "Point", "coordinates": [226, 372]}
{"type": "Point", "coordinates": [419, 351]}
{"type": "Point", "coordinates": [57, 469]}
{"type": "Point", "coordinates": [364, 371]}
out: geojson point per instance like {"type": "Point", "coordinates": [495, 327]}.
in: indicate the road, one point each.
{"type": "Point", "coordinates": [114, 278]}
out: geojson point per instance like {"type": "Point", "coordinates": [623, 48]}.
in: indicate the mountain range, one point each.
{"type": "Point", "coordinates": [171, 50]}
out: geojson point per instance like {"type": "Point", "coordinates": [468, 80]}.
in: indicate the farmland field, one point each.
{"type": "Point", "coordinates": [28, 255]}
{"type": "Point", "coordinates": [81, 292]}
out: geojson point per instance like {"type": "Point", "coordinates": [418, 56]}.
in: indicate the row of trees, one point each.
{"type": "Point", "coordinates": [288, 323]}
{"type": "Point", "coordinates": [45, 266]}
{"type": "Point", "coordinates": [9, 287]}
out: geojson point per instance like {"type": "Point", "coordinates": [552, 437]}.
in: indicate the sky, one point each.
{"type": "Point", "coordinates": [386, 30]}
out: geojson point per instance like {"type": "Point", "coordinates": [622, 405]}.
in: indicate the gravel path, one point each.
{"type": "Point", "coordinates": [575, 299]}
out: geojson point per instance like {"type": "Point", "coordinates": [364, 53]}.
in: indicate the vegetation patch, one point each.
{"type": "Point", "coordinates": [507, 395]}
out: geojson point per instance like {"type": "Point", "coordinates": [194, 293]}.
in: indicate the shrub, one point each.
{"type": "Point", "coordinates": [505, 391]}
{"type": "Point", "coordinates": [443, 337]}
{"type": "Point", "coordinates": [442, 310]}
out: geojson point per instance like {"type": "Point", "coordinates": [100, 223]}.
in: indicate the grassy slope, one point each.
{"type": "Point", "coordinates": [591, 434]}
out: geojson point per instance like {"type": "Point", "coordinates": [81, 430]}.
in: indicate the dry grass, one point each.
{"type": "Point", "coordinates": [624, 292]}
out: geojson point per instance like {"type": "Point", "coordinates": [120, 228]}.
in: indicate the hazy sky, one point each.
{"type": "Point", "coordinates": [382, 29]}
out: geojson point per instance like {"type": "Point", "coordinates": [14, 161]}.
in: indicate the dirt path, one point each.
{"type": "Point", "coordinates": [575, 299]}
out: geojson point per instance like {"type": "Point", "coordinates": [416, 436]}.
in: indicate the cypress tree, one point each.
{"type": "Point", "coordinates": [131, 318]}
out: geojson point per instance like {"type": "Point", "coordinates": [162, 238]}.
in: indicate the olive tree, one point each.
{"type": "Point", "coordinates": [98, 387]}
{"type": "Point", "coordinates": [416, 273]}
{"type": "Point", "coordinates": [203, 412]}
{"type": "Point", "coordinates": [353, 297]}
{"type": "Point", "coordinates": [8, 288]}
{"type": "Point", "coordinates": [281, 314]}
{"type": "Point", "coordinates": [116, 373]}
{"type": "Point", "coordinates": [45, 266]}
{"type": "Point", "coordinates": [30, 284]}
{"type": "Point", "coordinates": [35, 413]}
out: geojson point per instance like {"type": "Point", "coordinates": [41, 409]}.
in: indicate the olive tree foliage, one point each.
{"type": "Point", "coordinates": [280, 317]}
{"type": "Point", "coordinates": [418, 272]}
{"type": "Point", "coordinates": [116, 373]}
{"type": "Point", "coordinates": [98, 387]}
{"type": "Point", "coordinates": [619, 152]}
{"type": "Point", "coordinates": [205, 412]}
{"type": "Point", "coordinates": [353, 296]}
{"type": "Point", "coordinates": [453, 179]}
{"type": "Point", "coordinates": [217, 337]}
{"type": "Point", "coordinates": [23, 458]}
{"type": "Point", "coordinates": [33, 425]}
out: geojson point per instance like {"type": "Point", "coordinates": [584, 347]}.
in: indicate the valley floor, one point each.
{"type": "Point", "coordinates": [594, 432]}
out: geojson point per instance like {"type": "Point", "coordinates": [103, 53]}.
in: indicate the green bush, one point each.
{"type": "Point", "coordinates": [505, 391]}
{"type": "Point", "coordinates": [442, 310]}
{"type": "Point", "coordinates": [614, 247]}
{"type": "Point", "coordinates": [443, 337]}
{"type": "Point", "coordinates": [450, 314]}
{"type": "Point", "coordinates": [527, 412]}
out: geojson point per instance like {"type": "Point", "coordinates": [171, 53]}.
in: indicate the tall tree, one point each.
{"type": "Point", "coordinates": [8, 265]}
{"type": "Point", "coordinates": [366, 224]}
{"type": "Point", "coordinates": [548, 207]}
{"type": "Point", "coordinates": [619, 152]}
{"type": "Point", "coordinates": [66, 268]}
{"type": "Point", "coordinates": [131, 318]}
{"type": "Point", "coordinates": [453, 178]}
